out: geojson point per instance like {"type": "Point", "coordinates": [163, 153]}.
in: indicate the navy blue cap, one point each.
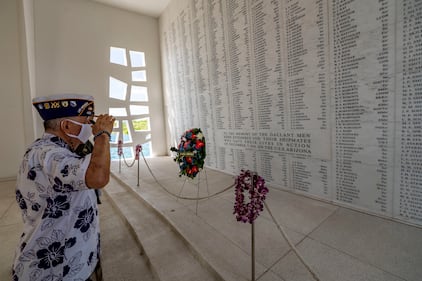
{"type": "Point", "coordinates": [65, 105]}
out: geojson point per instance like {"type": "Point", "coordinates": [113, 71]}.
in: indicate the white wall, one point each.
{"type": "Point", "coordinates": [12, 140]}
{"type": "Point", "coordinates": [56, 46]}
{"type": "Point", "coordinates": [321, 98]}
{"type": "Point", "coordinates": [72, 45]}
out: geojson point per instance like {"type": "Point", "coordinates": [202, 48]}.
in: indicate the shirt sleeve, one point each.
{"type": "Point", "coordinates": [66, 170]}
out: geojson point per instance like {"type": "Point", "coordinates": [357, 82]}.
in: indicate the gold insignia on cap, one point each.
{"type": "Point", "coordinates": [47, 105]}
{"type": "Point", "coordinates": [65, 103]}
{"type": "Point", "coordinates": [55, 104]}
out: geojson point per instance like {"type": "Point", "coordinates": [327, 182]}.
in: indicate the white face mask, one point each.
{"type": "Point", "coordinates": [84, 134]}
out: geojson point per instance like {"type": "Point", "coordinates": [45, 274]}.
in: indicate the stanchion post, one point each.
{"type": "Point", "coordinates": [197, 193]}
{"type": "Point", "coordinates": [138, 150]}
{"type": "Point", "coordinates": [253, 251]}
{"type": "Point", "coordinates": [120, 152]}
{"type": "Point", "coordinates": [253, 235]}
{"type": "Point", "coordinates": [138, 173]}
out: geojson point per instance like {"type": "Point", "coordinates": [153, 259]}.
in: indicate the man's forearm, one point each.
{"type": "Point", "coordinates": [98, 172]}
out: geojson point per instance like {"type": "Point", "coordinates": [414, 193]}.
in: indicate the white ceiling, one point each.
{"type": "Point", "coordinates": [151, 8]}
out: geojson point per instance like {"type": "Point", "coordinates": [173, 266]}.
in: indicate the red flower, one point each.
{"type": "Point", "coordinates": [199, 144]}
{"type": "Point", "coordinates": [194, 169]}
{"type": "Point", "coordinates": [188, 159]}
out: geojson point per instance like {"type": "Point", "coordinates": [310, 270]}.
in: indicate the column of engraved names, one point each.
{"type": "Point", "coordinates": [221, 100]}
{"type": "Point", "coordinates": [267, 59]}
{"type": "Point", "coordinates": [187, 89]}
{"type": "Point", "coordinates": [384, 105]}
{"type": "Point", "coordinates": [200, 63]}
{"type": "Point", "coordinates": [307, 64]}
{"type": "Point", "coordinates": [410, 162]}
{"type": "Point", "coordinates": [348, 111]}
{"type": "Point", "coordinates": [295, 64]}
{"type": "Point", "coordinates": [321, 23]}
{"type": "Point", "coordinates": [306, 24]}
{"type": "Point", "coordinates": [273, 167]}
{"type": "Point", "coordinates": [240, 72]}
{"type": "Point", "coordinates": [218, 67]}
{"type": "Point", "coordinates": [170, 91]}
{"type": "Point", "coordinates": [200, 45]}
{"type": "Point", "coordinates": [363, 102]}
{"type": "Point", "coordinates": [176, 68]}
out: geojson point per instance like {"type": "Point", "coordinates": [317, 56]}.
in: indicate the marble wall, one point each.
{"type": "Point", "coordinates": [321, 97]}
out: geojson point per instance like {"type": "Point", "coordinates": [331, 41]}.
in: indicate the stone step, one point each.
{"type": "Point", "coordinates": [170, 257]}
{"type": "Point", "coordinates": [210, 246]}
{"type": "Point", "coordinates": [121, 256]}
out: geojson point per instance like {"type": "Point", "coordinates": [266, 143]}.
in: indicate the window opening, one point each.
{"type": "Point", "coordinates": [139, 76]}
{"type": "Point", "coordinates": [141, 125]}
{"type": "Point", "coordinates": [139, 109]}
{"type": "Point", "coordinates": [127, 151]}
{"type": "Point", "coordinates": [126, 134]}
{"type": "Point", "coordinates": [117, 89]}
{"type": "Point", "coordinates": [118, 56]}
{"type": "Point", "coordinates": [124, 97]}
{"type": "Point", "coordinates": [114, 138]}
{"type": "Point", "coordinates": [137, 59]}
{"type": "Point", "coordinates": [139, 93]}
{"type": "Point", "coordinates": [146, 149]}
{"type": "Point", "coordinates": [117, 111]}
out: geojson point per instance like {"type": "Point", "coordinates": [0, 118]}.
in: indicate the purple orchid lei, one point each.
{"type": "Point", "coordinates": [255, 186]}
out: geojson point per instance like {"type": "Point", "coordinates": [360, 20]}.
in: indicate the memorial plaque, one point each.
{"type": "Point", "coordinates": [322, 98]}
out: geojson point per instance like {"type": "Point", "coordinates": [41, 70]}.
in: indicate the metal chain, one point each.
{"type": "Point", "coordinates": [182, 197]}
{"type": "Point", "coordinates": [292, 246]}
{"type": "Point", "coordinates": [124, 159]}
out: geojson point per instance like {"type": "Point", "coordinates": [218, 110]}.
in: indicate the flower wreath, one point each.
{"type": "Point", "coordinates": [190, 153]}
{"type": "Point", "coordinates": [255, 185]}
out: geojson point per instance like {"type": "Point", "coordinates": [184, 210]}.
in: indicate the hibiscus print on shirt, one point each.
{"type": "Point", "coordinates": [60, 187]}
{"type": "Point", "coordinates": [85, 218]}
{"type": "Point", "coordinates": [56, 207]}
{"type": "Point", "coordinates": [53, 255]}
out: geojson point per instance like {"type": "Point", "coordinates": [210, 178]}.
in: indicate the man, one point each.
{"type": "Point", "coordinates": [55, 191]}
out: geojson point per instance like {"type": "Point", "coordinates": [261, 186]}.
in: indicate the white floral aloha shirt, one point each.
{"type": "Point", "coordinates": [60, 239]}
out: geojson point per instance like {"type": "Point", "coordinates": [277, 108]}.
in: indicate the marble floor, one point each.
{"type": "Point", "coordinates": [151, 234]}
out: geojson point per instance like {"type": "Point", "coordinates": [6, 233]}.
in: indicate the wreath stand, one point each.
{"type": "Point", "coordinates": [257, 204]}
{"type": "Point", "coordinates": [253, 251]}
{"type": "Point", "coordinates": [250, 181]}
{"type": "Point", "coordinates": [198, 186]}
{"type": "Point", "coordinates": [253, 238]}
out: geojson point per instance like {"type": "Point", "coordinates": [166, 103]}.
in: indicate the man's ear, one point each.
{"type": "Point", "coordinates": [64, 125]}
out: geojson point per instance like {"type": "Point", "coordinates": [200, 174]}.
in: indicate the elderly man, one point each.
{"type": "Point", "coordinates": [55, 191]}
